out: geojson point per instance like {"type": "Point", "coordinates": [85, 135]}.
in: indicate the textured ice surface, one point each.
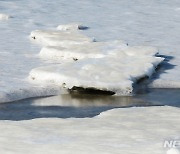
{"type": "Point", "coordinates": [115, 73]}
{"type": "Point", "coordinates": [4, 16]}
{"type": "Point", "coordinates": [135, 130]}
{"type": "Point", "coordinates": [114, 66]}
{"type": "Point", "coordinates": [150, 23]}
{"type": "Point", "coordinates": [124, 130]}
{"type": "Point", "coordinates": [86, 50]}
{"type": "Point", "coordinates": [59, 38]}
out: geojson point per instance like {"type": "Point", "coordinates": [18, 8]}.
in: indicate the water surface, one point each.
{"type": "Point", "coordinates": [82, 106]}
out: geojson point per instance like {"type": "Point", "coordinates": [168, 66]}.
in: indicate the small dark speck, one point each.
{"type": "Point", "coordinates": [75, 59]}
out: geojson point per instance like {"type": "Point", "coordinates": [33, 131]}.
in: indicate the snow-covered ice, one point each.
{"type": "Point", "coordinates": [81, 51]}
{"type": "Point", "coordinates": [124, 130]}
{"type": "Point", "coordinates": [148, 23]}
{"type": "Point", "coordinates": [59, 38]}
{"type": "Point", "coordinates": [4, 16]}
{"type": "Point", "coordinates": [109, 66]}
{"type": "Point", "coordinates": [115, 73]}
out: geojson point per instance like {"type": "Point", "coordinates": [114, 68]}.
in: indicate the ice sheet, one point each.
{"type": "Point", "coordinates": [81, 51]}
{"type": "Point", "coordinates": [124, 130]}
{"type": "Point", "coordinates": [117, 72]}
{"type": "Point", "coordinates": [139, 23]}
{"type": "Point", "coordinates": [59, 38]}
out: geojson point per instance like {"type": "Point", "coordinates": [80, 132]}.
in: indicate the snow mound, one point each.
{"type": "Point", "coordinates": [116, 72]}
{"type": "Point", "coordinates": [73, 26]}
{"type": "Point", "coordinates": [59, 38]}
{"type": "Point", "coordinates": [4, 17]}
{"type": "Point", "coordinates": [87, 50]}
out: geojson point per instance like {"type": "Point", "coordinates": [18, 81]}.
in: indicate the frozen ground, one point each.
{"type": "Point", "coordinates": [128, 130]}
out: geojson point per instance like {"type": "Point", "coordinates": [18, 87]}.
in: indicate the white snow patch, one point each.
{"type": "Point", "coordinates": [4, 16]}
{"type": "Point", "coordinates": [73, 26]}
{"type": "Point", "coordinates": [124, 130]}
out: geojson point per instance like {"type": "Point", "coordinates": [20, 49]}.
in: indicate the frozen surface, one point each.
{"type": "Point", "coordinates": [151, 23]}
{"type": "Point", "coordinates": [59, 38]}
{"type": "Point", "coordinates": [125, 130]}
{"type": "Point", "coordinates": [4, 16]}
{"type": "Point", "coordinates": [132, 130]}
{"type": "Point", "coordinates": [81, 51]}
{"type": "Point", "coordinates": [116, 72]}
{"type": "Point", "coordinates": [112, 66]}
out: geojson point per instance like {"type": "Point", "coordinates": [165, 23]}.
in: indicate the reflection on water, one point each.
{"type": "Point", "coordinates": [81, 106]}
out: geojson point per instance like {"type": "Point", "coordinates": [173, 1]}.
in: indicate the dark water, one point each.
{"type": "Point", "coordinates": [81, 106]}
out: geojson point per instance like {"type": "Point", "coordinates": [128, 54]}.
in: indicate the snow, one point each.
{"type": "Point", "coordinates": [109, 66]}
{"type": "Point", "coordinates": [4, 16]}
{"type": "Point", "coordinates": [123, 130]}
{"type": "Point", "coordinates": [116, 72]}
{"type": "Point", "coordinates": [28, 91]}
{"type": "Point", "coordinates": [81, 51]}
{"type": "Point", "coordinates": [59, 38]}
{"type": "Point", "coordinates": [149, 23]}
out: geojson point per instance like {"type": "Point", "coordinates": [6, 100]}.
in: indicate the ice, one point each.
{"type": "Point", "coordinates": [4, 16]}
{"type": "Point", "coordinates": [117, 72]}
{"type": "Point", "coordinates": [81, 51]}
{"type": "Point", "coordinates": [108, 66]}
{"type": "Point", "coordinates": [127, 130]}
{"type": "Point", "coordinates": [123, 130]}
{"type": "Point", "coordinates": [28, 91]}
{"type": "Point", "coordinates": [73, 26]}
{"type": "Point", "coordinates": [134, 22]}
{"type": "Point", "coordinates": [59, 38]}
